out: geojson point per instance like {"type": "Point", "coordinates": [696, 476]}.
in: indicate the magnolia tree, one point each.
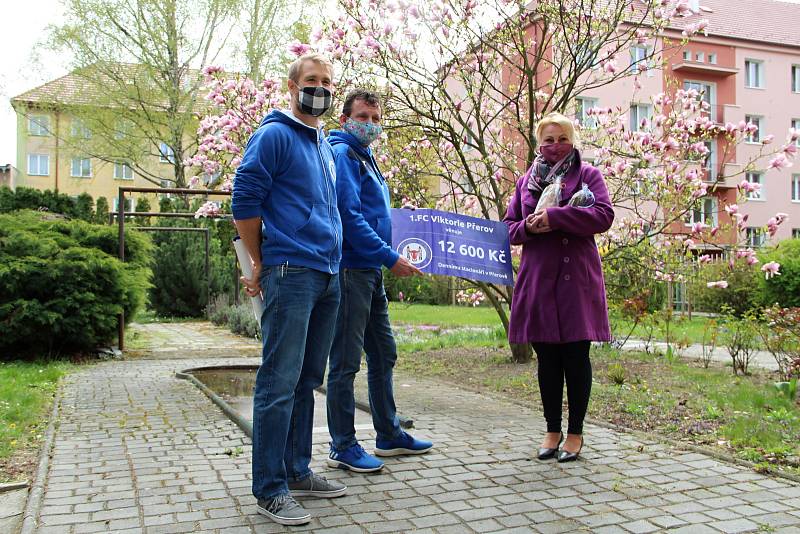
{"type": "Point", "coordinates": [464, 85]}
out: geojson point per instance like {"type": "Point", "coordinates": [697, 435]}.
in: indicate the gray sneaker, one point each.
{"type": "Point", "coordinates": [284, 510]}
{"type": "Point", "coordinates": [317, 486]}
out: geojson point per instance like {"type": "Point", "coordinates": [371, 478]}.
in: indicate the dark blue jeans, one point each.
{"type": "Point", "coordinates": [363, 322]}
{"type": "Point", "coordinates": [297, 331]}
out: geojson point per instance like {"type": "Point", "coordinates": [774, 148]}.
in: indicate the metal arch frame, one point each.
{"type": "Point", "coordinates": [120, 214]}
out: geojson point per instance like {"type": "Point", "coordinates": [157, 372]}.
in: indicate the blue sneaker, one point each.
{"type": "Point", "coordinates": [354, 458]}
{"type": "Point", "coordinates": [404, 444]}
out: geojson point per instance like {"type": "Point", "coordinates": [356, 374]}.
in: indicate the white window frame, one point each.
{"type": "Point", "coordinates": [710, 163]}
{"type": "Point", "coordinates": [639, 54]}
{"type": "Point", "coordinates": [754, 68]}
{"type": "Point", "coordinates": [712, 58]}
{"type": "Point", "coordinates": [38, 158]}
{"type": "Point", "coordinates": [119, 171]}
{"type": "Point", "coordinates": [129, 201]}
{"type": "Point", "coordinates": [585, 103]}
{"type": "Point", "coordinates": [706, 212]}
{"type": "Point", "coordinates": [83, 166]}
{"type": "Point", "coordinates": [636, 115]}
{"type": "Point", "coordinates": [795, 78]}
{"type": "Point", "coordinates": [796, 125]}
{"type": "Point", "coordinates": [758, 120]}
{"type": "Point", "coordinates": [795, 188]}
{"type": "Point", "coordinates": [165, 153]}
{"type": "Point", "coordinates": [39, 125]}
{"type": "Point", "coordinates": [700, 57]}
{"type": "Point", "coordinates": [756, 237]}
{"type": "Point", "coordinates": [79, 130]}
{"type": "Point", "coordinates": [761, 194]}
{"type": "Point", "coordinates": [795, 233]}
{"type": "Point", "coordinates": [687, 55]}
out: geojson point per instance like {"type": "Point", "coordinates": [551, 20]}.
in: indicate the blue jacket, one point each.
{"type": "Point", "coordinates": [363, 198]}
{"type": "Point", "coordinates": [288, 178]}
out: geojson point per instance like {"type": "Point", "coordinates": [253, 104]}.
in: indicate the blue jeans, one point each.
{"type": "Point", "coordinates": [297, 331]}
{"type": "Point", "coordinates": [363, 321]}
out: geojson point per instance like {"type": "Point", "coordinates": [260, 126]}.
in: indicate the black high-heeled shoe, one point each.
{"type": "Point", "coordinates": [566, 456]}
{"type": "Point", "coordinates": [547, 453]}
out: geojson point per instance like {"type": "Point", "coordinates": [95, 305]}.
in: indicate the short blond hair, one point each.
{"type": "Point", "coordinates": [296, 68]}
{"type": "Point", "coordinates": [559, 120]}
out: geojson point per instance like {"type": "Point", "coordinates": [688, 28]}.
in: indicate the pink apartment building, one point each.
{"type": "Point", "coordinates": [748, 68]}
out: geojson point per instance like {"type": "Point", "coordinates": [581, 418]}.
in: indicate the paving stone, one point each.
{"type": "Point", "coordinates": [110, 464]}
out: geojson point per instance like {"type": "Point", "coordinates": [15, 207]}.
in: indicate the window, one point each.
{"type": "Point", "coordinates": [753, 74]}
{"type": "Point", "coordinates": [796, 126]}
{"type": "Point", "coordinates": [687, 55]}
{"type": "Point", "coordinates": [81, 168]}
{"type": "Point", "coordinates": [640, 115]}
{"type": "Point", "coordinates": [755, 237]}
{"type": "Point", "coordinates": [638, 58]}
{"type": "Point", "coordinates": [795, 233]}
{"type": "Point", "coordinates": [79, 130]}
{"type": "Point", "coordinates": [712, 58]}
{"type": "Point", "coordinates": [39, 125]}
{"type": "Point", "coordinates": [700, 57]}
{"type": "Point", "coordinates": [705, 90]}
{"type": "Point", "coordinates": [166, 154]}
{"type": "Point", "coordinates": [755, 137]}
{"type": "Point", "coordinates": [584, 105]}
{"type": "Point", "coordinates": [756, 178]}
{"type": "Point", "coordinates": [796, 78]}
{"type": "Point", "coordinates": [796, 188]}
{"type": "Point", "coordinates": [123, 172]}
{"type": "Point", "coordinates": [129, 206]}
{"type": "Point", "coordinates": [38, 164]}
{"type": "Point", "coordinates": [710, 163]}
{"type": "Point", "coordinates": [123, 128]}
{"type": "Point", "coordinates": [704, 211]}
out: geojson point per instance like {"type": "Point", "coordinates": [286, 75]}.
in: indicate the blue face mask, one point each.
{"type": "Point", "coordinates": [365, 132]}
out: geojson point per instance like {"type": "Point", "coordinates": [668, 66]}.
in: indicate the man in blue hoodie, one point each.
{"type": "Point", "coordinates": [284, 205]}
{"type": "Point", "coordinates": [363, 319]}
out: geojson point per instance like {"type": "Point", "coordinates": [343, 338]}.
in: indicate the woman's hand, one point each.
{"type": "Point", "coordinates": [537, 223]}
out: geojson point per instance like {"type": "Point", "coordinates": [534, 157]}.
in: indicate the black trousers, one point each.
{"type": "Point", "coordinates": [559, 362]}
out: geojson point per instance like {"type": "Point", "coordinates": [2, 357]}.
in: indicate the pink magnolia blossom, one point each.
{"type": "Point", "coordinates": [298, 49]}
{"type": "Point", "coordinates": [721, 284]}
{"type": "Point", "coordinates": [770, 269]}
{"type": "Point", "coordinates": [780, 161]}
{"type": "Point", "coordinates": [209, 209]}
{"type": "Point", "coordinates": [780, 217]}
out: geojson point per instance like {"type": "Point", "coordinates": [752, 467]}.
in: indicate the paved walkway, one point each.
{"type": "Point", "coordinates": [761, 358]}
{"type": "Point", "coordinates": [137, 450]}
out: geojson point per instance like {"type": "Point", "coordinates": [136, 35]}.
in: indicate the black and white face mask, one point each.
{"type": "Point", "coordinates": [314, 100]}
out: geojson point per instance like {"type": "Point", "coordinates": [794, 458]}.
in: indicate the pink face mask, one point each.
{"type": "Point", "coordinates": [555, 152]}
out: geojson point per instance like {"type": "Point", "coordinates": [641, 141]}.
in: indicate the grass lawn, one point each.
{"type": "Point", "coordinates": [446, 316]}
{"type": "Point", "coordinates": [742, 416]}
{"type": "Point", "coordinates": [26, 395]}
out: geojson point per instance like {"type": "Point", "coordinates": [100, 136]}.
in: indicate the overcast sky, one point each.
{"type": "Point", "coordinates": [24, 25]}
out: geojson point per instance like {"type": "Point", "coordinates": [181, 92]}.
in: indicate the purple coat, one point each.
{"type": "Point", "coordinates": [560, 296]}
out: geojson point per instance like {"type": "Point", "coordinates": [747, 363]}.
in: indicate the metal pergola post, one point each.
{"type": "Point", "coordinates": [121, 215]}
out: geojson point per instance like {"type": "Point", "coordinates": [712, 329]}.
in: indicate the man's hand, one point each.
{"type": "Point", "coordinates": [252, 286]}
{"type": "Point", "coordinates": [403, 268]}
{"type": "Point", "coordinates": [537, 223]}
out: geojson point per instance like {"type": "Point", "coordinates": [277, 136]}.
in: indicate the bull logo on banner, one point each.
{"type": "Point", "coordinates": [416, 251]}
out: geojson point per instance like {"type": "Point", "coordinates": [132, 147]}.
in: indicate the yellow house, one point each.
{"type": "Point", "coordinates": [48, 156]}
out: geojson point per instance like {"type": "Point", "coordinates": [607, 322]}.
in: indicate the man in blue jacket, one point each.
{"type": "Point", "coordinates": [284, 205]}
{"type": "Point", "coordinates": [363, 319]}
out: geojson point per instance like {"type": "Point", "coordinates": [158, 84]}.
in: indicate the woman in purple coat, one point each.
{"type": "Point", "coordinates": [559, 303]}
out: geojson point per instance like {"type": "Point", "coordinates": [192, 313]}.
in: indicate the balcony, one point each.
{"type": "Point", "coordinates": [696, 67]}
{"type": "Point", "coordinates": [722, 175]}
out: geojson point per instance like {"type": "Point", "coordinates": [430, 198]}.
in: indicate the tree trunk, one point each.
{"type": "Point", "coordinates": [521, 353]}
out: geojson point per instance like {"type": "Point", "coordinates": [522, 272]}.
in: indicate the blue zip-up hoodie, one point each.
{"type": "Point", "coordinates": [363, 199]}
{"type": "Point", "coordinates": [288, 178]}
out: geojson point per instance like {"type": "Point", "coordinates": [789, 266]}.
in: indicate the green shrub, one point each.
{"type": "Point", "coordinates": [783, 289]}
{"type": "Point", "coordinates": [180, 288]}
{"type": "Point", "coordinates": [61, 284]}
{"type": "Point", "coordinates": [242, 321]}
{"type": "Point", "coordinates": [26, 198]}
{"type": "Point", "coordinates": [741, 295]}
{"type": "Point", "coordinates": [426, 289]}
{"type": "Point", "coordinates": [627, 276]}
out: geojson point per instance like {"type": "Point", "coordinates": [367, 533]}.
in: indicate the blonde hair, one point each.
{"type": "Point", "coordinates": [297, 65]}
{"type": "Point", "coordinates": [559, 120]}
